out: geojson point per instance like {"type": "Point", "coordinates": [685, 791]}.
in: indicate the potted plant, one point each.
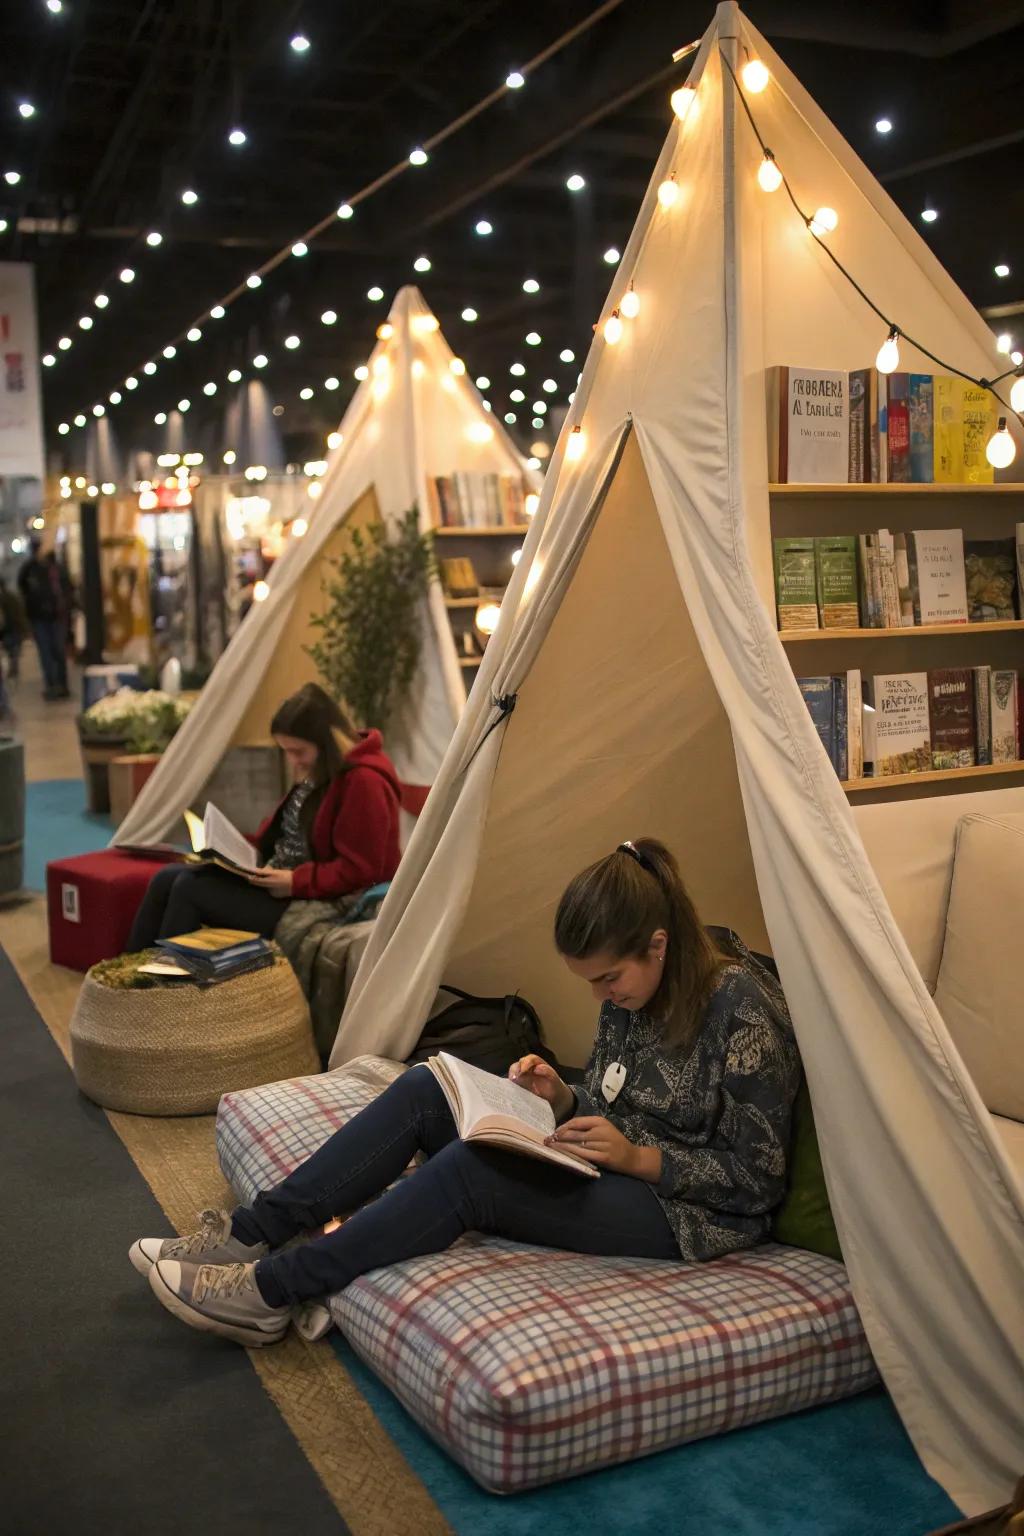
{"type": "Point", "coordinates": [125, 724]}
{"type": "Point", "coordinates": [371, 629]}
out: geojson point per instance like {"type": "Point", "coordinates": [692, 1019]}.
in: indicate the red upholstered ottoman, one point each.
{"type": "Point", "coordinates": [91, 901]}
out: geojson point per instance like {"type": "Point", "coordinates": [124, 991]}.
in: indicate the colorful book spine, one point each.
{"type": "Point", "coordinates": [835, 565]}
{"type": "Point", "coordinates": [796, 593]}
{"type": "Point", "coordinates": [808, 424]}
{"type": "Point", "coordinates": [840, 727]}
{"type": "Point", "coordinates": [860, 425]}
{"type": "Point", "coordinates": [951, 717]}
{"type": "Point", "coordinates": [948, 441]}
{"type": "Point", "coordinates": [898, 422]}
{"type": "Point", "coordinates": [903, 741]}
{"type": "Point", "coordinates": [1020, 570]}
{"type": "Point", "coordinates": [978, 425]}
{"type": "Point", "coordinates": [983, 714]}
{"type": "Point", "coordinates": [922, 432]}
{"type": "Point", "coordinates": [1003, 709]}
{"type": "Point", "coordinates": [818, 696]}
{"type": "Point", "coordinates": [854, 725]}
{"type": "Point", "coordinates": [937, 575]}
{"type": "Point", "coordinates": [890, 592]}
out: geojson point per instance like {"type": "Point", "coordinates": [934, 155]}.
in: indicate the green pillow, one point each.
{"type": "Point", "coordinates": [804, 1219]}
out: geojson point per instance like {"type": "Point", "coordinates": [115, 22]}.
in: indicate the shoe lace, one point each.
{"type": "Point", "coordinates": [211, 1231]}
{"type": "Point", "coordinates": [222, 1280]}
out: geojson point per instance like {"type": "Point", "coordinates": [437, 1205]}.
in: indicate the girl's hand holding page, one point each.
{"type": "Point", "coordinates": [534, 1073]}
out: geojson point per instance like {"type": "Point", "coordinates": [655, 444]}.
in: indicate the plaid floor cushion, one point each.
{"type": "Point", "coordinates": [529, 1365]}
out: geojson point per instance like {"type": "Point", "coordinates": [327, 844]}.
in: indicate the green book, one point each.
{"type": "Point", "coordinates": [835, 564]}
{"type": "Point", "coordinates": [796, 594]}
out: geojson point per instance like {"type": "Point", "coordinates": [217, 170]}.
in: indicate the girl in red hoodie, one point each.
{"type": "Point", "coordinates": [334, 833]}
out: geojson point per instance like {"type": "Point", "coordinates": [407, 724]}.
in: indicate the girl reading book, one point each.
{"type": "Point", "coordinates": [334, 833]}
{"type": "Point", "coordinates": [684, 1111]}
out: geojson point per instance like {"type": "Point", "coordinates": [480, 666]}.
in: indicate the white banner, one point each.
{"type": "Point", "coordinates": [21, 425]}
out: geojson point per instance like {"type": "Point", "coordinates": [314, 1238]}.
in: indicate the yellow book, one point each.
{"type": "Point", "coordinates": [949, 430]}
{"type": "Point", "coordinates": [979, 421]}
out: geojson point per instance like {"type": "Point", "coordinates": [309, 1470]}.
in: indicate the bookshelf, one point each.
{"type": "Point", "coordinates": [502, 531]}
{"type": "Point", "coordinates": [983, 512]}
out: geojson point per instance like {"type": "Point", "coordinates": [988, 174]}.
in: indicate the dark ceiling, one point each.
{"type": "Point", "coordinates": [135, 98]}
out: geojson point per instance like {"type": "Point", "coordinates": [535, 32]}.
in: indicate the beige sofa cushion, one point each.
{"type": "Point", "coordinates": [980, 988]}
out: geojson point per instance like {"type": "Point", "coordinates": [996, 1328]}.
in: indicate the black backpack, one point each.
{"type": "Point", "coordinates": [488, 1032]}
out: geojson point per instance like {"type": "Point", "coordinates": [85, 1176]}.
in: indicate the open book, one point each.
{"type": "Point", "coordinates": [499, 1112]}
{"type": "Point", "coordinates": [215, 840]}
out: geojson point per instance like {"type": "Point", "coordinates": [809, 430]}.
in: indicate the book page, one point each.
{"type": "Point", "coordinates": [220, 836]}
{"type": "Point", "coordinates": [482, 1093]}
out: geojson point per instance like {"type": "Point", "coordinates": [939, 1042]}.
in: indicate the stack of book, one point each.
{"type": "Point", "coordinates": [476, 500]}
{"type": "Point", "coordinates": [886, 580]}
{"type": "Point", "coordinates": [916, 722]}
{"type": "Point", "coordinates": [217, 954]}
{"type": "Point", "coordinates": [829, 427]}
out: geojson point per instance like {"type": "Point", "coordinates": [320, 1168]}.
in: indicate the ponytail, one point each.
{"type": "Point", "coordinates": [616, 905]}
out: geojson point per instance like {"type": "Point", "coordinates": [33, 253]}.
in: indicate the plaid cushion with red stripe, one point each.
{"type": "Point", "coordinates": [529, 1365]}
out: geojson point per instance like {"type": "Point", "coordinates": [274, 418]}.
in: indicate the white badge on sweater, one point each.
{"type": "Point", "coordinates": [611, 1083]}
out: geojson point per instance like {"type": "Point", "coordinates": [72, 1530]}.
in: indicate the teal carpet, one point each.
{"type": "Point", "coordinates": [57, 826]}
{"type": "Point", "coordinates": [847, 1469]}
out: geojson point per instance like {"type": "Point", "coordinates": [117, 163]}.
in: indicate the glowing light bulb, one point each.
{"type": "Point", "coordinates": [469, 315]}
{"type": "Point", "coordinates": [630, 305]}
{"type": "Point", "coordinates": [486, 618]}
{"type": "Point", "coordinates": [154, 238]}
{"type": "Point", "coordinates": [755, 75]}
{"type": "Point", "coordinates": [426, 324]}
{"type": "Point", "coordinates": [79, 420]}
{"type": "Point", "coordinates": [613, 256]}
{"type": "Point", "coordinates": [385, 331]}
{"type": "Point", "coordinates": [195, 334]}
{"type": "Point", "coordinates": [567, 355]}
{"type": "Point", "coordinates": [64, 429]}
{"type": "Point", "coordinates": [160, 418]}
{"type": "Point", "coordinates": [681, 100]}
{"type": "Point", "coordinates": [613, 329]}
{"type": "Point", "coordinates": [668, 193]}
{"type": "Point", "coordinates": [422, 264]}
{"type": "Point", "coordinates": [769, 177]}
{"type": "Point", "coordinates": [346, 211]}
{"type": "Point", "coordinates": [114, 397]}
{"type": "Point", "coordinates": [550, 386]}
{"type": "Point", "coordinates": [300, 248]}
{"type": "Point", "coordinates": [484, 227]}
{"type": "Point", "coordinates": [314, 489]}
{"type": "Point", "coordinates": [184, 405]}
{"type": "Point", "coordinates": [189, 198]}
{"type": "Point", "coordinates": [479, 432]}
{"type": "Point", "coordinates": [1017, 396]}
{"type": "Point", "coordinates": [576, 446]}
{"type": "Point", "coordinates": [457, 366]}
{"type": "Point", "coordinates": [823, 222]}
{"type": "Point", "coordinates": [235, 376]}
{"type": "Point", "coordinates": [1004, 342]}
{"type": "Point", "coordinates": [329, 317]}
{"type": "Point", "coordinates": [237, 137]}
{"type": "Point", "coordinates": [101, 301]}
{"type": "Point", "coordinates": [888, 359]}
{"type": "Point", "coordinates": [300, 43]}
{"type": "Point", "coordinates": [230, 456]}
{"type": "Point", "coordinates": [332, 383]}
{"type": "Point", "coordinates": [131, 382]}
{"type": "Point", "coordinates": [48, 360]}
{"type": "Point", "coordinates": [1001, 450]}
{"type": "Point", "coordinates": [515, 81]}
{"type": "Point", "coordinates": [517, 369]}
{"type": "Point", "coordinates": [517, 395]}
{"type": "Point", "coordinates": [170, 351]}
{"type": "Point", "coordinates": [883, 125]}
{"type": "Point", "coordinates": [260, 592]}
{"type": "Point", "coordinates": [575, 183]}
{"type": "Point", "coordinates": [291, 342]}
{"type": "Point", "coordinates": [260, 360]}
{"type": "Point", "coordinates": [361, 373]}
{"type": "Point", "coordinates": [64, 344]}
{"type": "Point", "coordinates": [12, 178]}
{"type": "Point", "coordinates": [1001, 269]}
{"type": "Point", "coordinates": [531, 503]}
{"type": "Point", "coordinates": [300, 527]}
{"type": "Point", "coordinates": [533, 338]}
{"type": "Point", "coordinates": [218, 312]}
{"type": "Point", "coordinates": [209, 388]}
{"type": "Point", "coordinates": [99, 410]}
{"type": "Point", "coordinates": [149, 368]}
{"type": "Point", "coordinates": [375, 294]}
{"type": "Point", "coordinates": [531, 285]}
{"type": "Point", "coordinates": [126, 275]}
{"type": "Point", "coordinates": [929, 215]}
{"type": "Point", "coordinates": [418, 156]}
{"type": "Point", "coordinates": [254, 280]}
{"type": "Point", "coordinates": [86, 322]}
{"type": "Point", "coordinates": [334, 440]}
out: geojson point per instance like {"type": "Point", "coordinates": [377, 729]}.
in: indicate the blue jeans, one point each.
{"type": "Point", "coordinates": [462, 1187]}
{"type": "Point", "coordinates": [183, 897]}
{"type": "Point", "coordinates": [51, 643]}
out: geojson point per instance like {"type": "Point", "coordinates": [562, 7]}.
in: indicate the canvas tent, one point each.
{"type": "Point", "coordinates": [636, 685]}
{"type": "Point", "coordinates": [412, 417]}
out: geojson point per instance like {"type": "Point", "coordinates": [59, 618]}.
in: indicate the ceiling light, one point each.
{"type": "Point", "coordinates": [306, 394]}
{"type": "Point", "coordinates": [346, 211]}
{"type": "Point", "coordinates": [517, 369]}
{"type": "Point", "coordinates": [334, 440]}
{"type": "Point", "coordinates": [533, 338]}
{"type": "Point", "coordinates": [26, 109]}
{"type": "Point", "coordinates": [64, 429]}
{"type": "Point", "coordinates": [329, 317]}
{"type": "Point", "coordinates": [79, 420]}
{"type": "Point", "coordinates": [511, 418]}
{"type": "Point", "coordinates": [131, 382]}
{"type": "Point", "coordinates": [479, 432]}
{"type": "Point", "coordinates": [567, 355]}
{"type": "Point", "coordinates": [154, 237]}
{"type": "Point", "coordinates": [515, 81]}
{"type": "Point", "coordinates": [575, 183]}
{"type": "Point", "coordinates": [531, 285]}
{"type": "Point", "coordinates": [300, 43]}
{"type": "Point", "coordinates": [1001, 269]}
{"type": "Point", "coordinates": [537, 423]}
{"type": "Point", "coordinates": [12, 178]}
{"type": "Point", "coordinates": [237, 137]}
{"type": "Point", "coordinates": [484, 227]}
{"type": "Point", "coordinates": [300, 248]}
{"type": "Point", "coordinates": [612, 256]}
{"type": "Point", "coordinates": [291, 342]}
{"type": "Point", "coordinates": [883, 125]}
{"type": "Point", "coordinates": [755, 75]}
{"type": "Point", "coordinates": [253, 280]}
{"type": "Point", "coordinates": [332, 382]}
{"type": "Point", "coordinates": [483, 382]}
{"type": "Point", "coordinates": [260, 360]}
{"type": "Point", "coordinates": [375, 294]}
{"type": "Point", "coordinates": [516, 395]}
{"type": "Point", "coordinates": [418, 156]}
{"type": "Point", "coordinates": [362, 372]}
{"type": "Point", "coordinates": [99, 410]}
{"type": "Point", "coordinates": [210, 388]}
{"type": "Point", "coordinates": [469, 314]}
{"type": "Point", "coordinates": [101, 301]}
{"type": "Point", "coordinates": [86, 322]}
{"type": "Point", "coordinates": [422, 264]}
{"type": "Point", "coordinates": [1004, 342]}
{"type": "Point", "coordinates": [184, 405]}
{"type": "Point", "coordinates": [126, 275]}
{"type": "Point", "coordinates": [160, 418]}
{"type": "Point", "coordinates": [114, 397]}
{"type": "Point", "coordinates": [55, 6]}
{"type": "Point", "coordinates": [48, 360]}
{"type": "Point", "coordinates": [539, 407]}
{"type": "Point", "coordinates": [550, 386]}
{"type": "Point", "coordinates": [189, 198]}
{"type": "Point", "coordinates": [929, 215]}
{"type": "Point", "coordinates": [218, 312]}
{"type": "Point", "coordinates": [195, 334]}
{"type": "Point", "coordinates": [149, 368]}
{"type": "Point", "coordinates": [235, 376]}
{"type": "Point", "coordinates": [170, 352]}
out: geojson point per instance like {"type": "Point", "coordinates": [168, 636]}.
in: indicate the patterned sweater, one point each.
{"type": "Point", "coordinates": [720, 1113]}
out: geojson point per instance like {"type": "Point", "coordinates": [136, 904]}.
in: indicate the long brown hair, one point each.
{"type": "Point", "coordinates": [313, 716]}
{"type": "Point", "coordinates": [616, 905]}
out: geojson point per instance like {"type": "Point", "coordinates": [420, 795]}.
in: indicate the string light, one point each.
{"type": "Point", "coordinates": [823, 222]}
{"type": "Point", "coordinates": [1004, 342]}
{"type": "Point", "coordinates": [334, 440]}
{"type": "Point", "coordinates": [86, 322]}
{"type": "Point", "coordinates": [469, 314]}
{"type": "Point", "coordinates": [131, 382]}
{"type": "Point", "coordinates": [362, 372]}
{"type": "Point", "coordinates": [235, 376]}
{"type": "Point", "coordinates": [160, 418]}
{"type": "Point", "coordinates": [54, 7]}
{"type": "Point", "coordinates": [575, 183]}
{"type": "Point", "coordinates": [300, 248]}
{"type": "Point", "coordinates": [332, 383]}
{"type": "Point", "coordinates": [612, 256]}
{"type": "Point", "coordinates": [345, 211]}
{"type": "Point", "coordinates": [483, 382]}
{"type": "Point", "coordinates": [375, 294]}
{"type": "Point", "coordinates": [458, 367]}
{"type": "Point", "coordinates": [170, 352]}
{"type": "Point", "coordinates": [64, 344]}
{"type": "Point", "coordinates": [101, 301]}
{"type": "Point", "coordinates": [567, 355]}
{"type": "Point", "coordinates": [189, 197]}
{"type": "Point", "coordinates": [755, 76]}
{"type": "Point", "coordinates": [479, 432]}
{"type": "Point", "coordinates": [99, 410]}
{"type": "Point", "coordinates": [769, 176]}
{"type": "Point", "coordinates": [126, 275]}
{"type": "Point", "coordinates": [195, 334]}
{"type": "Point", "coordinates": [218, 312]}
{"type": "Point", "coordinates": [254, 280]}
{"type": "Point", "coordinates": [883, 125]}
{"type": "Point", "coordinates": [210, 388]}
{"type": "Point", "coordinates": [549, 385]}
{"type": "Point", "coordinates": [576, 445]}
{"type": "Point", "coordinates": [300, 527]}
{"type": "Point", "coordinates": [291, 342]}
{"type": "Point", "coordinates": [114, 397]}
{"type": "Point", "coordinates": [422, 264]}
{"type": "Point", "coordinates": [613, 329]}
{"type": "Point", "coordinates": [484, 227]}
{"type": "Point", "coordinates": [486, 618]}
{"type": "Point", "coordinates": [426, 324]}
{"type": "Point", "coordinates": [1001, 450]}
{"type": "Point", "coordinates": [510, 418]}
{"type": "Point", "coordinates": [929, 215]}
{"type": "Point", "coordinates": [533, 338]}
{"type": "Point", "coordinates": [237, 137]}
{"type": "Point", "coordinates": [306, 393]}
{"type": "Point", "coordinates": [229, 456]}
{"type": "Point", "coordinates": [149, 368]}
{"type": "Point", "coordinates": [64, 429]}
{"type": "Point", "coordinates": [48, 359]}
{"type": "Point", "coordinates": [26, 109]}
{"type": "Point", "coordinates": [260, 360]}
{"type": "Point", "coordinates": [329, 317]}
{"type": "Point", "coordinates": [516, 369]}
{"type": "Point", "coordinates": [531, 503]}
{"type": "Point", "coordinates": [888, 359]}
{"type": "Point", "coordinates": [418, 156]}
{"type": "Point", "coordinates": [299, 43]}
{"type": "Point", "coordinates": [1017, 395]}
{"type": "Point", "coordinates": [184, 405]}
{"type": "Point", "coordinates": [682, 100]}
{"type": "Point", "coordinates": [515, 81]}
{"type": "Point", "coordinates": [154, 238]}
{"type": "Point", "coordinates": [260, 592]}
{"type": "Point", "coordinates": [630, 305]}
{"type": "Point", "coordinates": [1001, 269]}
{"type": "Point", "coordinates": [516, 395]}
{"type": "Point", "coordinates": [12, 178]}
{"type": "Point", "coordinates": [79, 420]}
{"type": "Point", "coordinates": [531, 285]}
{"type": "Point", "coordinates": [668, 192]}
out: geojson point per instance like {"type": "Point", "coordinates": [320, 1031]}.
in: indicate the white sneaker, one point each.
{"type": "Point", "coordinates": [212, 1244]}
{"type": "Point", "coordinates": [219, 1298]}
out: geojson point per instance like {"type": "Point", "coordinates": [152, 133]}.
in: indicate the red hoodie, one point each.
{"type": "Point", "coordinates": [354, 836]}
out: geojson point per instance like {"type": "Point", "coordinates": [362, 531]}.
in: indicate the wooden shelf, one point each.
{"type": "Point", "coordinates": [469, 662]}
{"type": "Point", "coordinates": [517, 531]}
{"type": "Point", "coordinates": [903, 488]}
{"type": "Point", "coordinates": [484, 597]}
{"type": "Point", "coordinates": [799, 636]}
{"type": "Point", "coordinates": [936, 776]}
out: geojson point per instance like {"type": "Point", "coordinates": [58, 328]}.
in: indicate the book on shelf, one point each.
{"type": "Point", "coordinates": [898, 427]}
{"type": "Point", "coordinates": [948, 430]}
{"type": "Point", "coordinates": [859, 406]}
{"type": "Point", "coordinates": [903, 582]}
{"type": "Point", "coordinates": [892, 614]}
{"type": "Point", "coordinates": [835, 705]}
{"type": "Point", "coordinates": [796, 591]}
{"type": "Point", "coordinates": [951, 717]}
{"type": "Point", "coordinates": [990, 569]}
{"type": "Point", "coordinates": [922, 433]}
{"type": "Point", "coordinates": [902, 729]}
{"type": "Point", "coordinates": [840, 726]}
{"type": "Point", "coordinates": [937, 576]}
{"type": "Point", "coordinates": [476, 499]}
{"type": "Point", "coordinates": [458, 577]}
{"type": "Point", "coordinates": [982, 684]}
{"type": "Point", "coordinates": [1020, 569]}
{"type": "Point", "coordinates": [976, 405]}
{"type": "Point", "coordinates": [835, 566]}
{"type": "Point", "coordinates": [854, 725]}
{"type": "Point", "coordinates": [1003, 707]}
{"type": "Point", "coordinates": [808, 425]}
{"type": "Point", "coordinates": [869, 579]}
{"type": "Point", "coordinates": [500, 1113]}
{"type": "Point", "coordinates": [818, 696]}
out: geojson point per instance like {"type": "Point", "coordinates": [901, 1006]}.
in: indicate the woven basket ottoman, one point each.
{"type": "Point", "coordinates": [175, 1050]}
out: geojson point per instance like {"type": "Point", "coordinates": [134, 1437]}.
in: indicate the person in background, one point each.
{"type": "Point", "coordinates": [13, 627]}
{"type": "Point", "coordinates": [685, 1110]}
{"type": "Point", "coordinates": [334, 833]}
{"type": "Point", "coordinates": [46, 590]}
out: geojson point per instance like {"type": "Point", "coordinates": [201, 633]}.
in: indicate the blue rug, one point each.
{"type": "Point", "coordinates": [57, 826]}
{"type": "Point", "coordinates": [847, 1469]}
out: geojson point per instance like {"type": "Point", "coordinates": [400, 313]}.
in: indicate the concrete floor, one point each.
{"type": "Point", "coordinates": [47, 729]}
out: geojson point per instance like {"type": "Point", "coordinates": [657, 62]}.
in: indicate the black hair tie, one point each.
{"type": "Point", "coordinates": [641, 858]}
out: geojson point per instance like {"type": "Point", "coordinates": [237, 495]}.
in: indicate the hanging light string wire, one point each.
{"type": "Point", "coordinates": [891, 325]}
